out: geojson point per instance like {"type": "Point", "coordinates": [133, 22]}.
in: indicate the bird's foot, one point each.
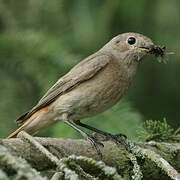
{"type": "Point", "coordinates": [119, 139]}
{"type": "Point", "coordinates": [96, 144]}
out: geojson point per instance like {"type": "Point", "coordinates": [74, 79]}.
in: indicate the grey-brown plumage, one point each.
{"type": "Point", "coordinates": [92, 86]}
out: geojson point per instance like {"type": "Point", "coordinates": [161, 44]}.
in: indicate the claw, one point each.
{"type": "Point", "coordinates": [120, 135]}
{"type": "Point", "coordinates": [104, 136]}
{"type": "Point", "coordinates": [119, 139]}
{"type": "Point", "coordinates": [96, 144]}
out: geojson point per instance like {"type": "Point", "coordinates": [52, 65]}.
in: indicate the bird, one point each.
{"type": "Point", "coordinates": [92, 86]}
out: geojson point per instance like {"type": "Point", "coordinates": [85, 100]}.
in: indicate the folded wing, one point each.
{"type": "Point", "coordinates": [83, 71]}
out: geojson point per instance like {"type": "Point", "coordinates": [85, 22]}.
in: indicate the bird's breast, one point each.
{"type": "Point", "coordinates": [107, 88]}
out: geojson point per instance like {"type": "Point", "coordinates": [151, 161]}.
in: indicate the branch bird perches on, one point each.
{"type": "Point", "coordinates": [147, 159]}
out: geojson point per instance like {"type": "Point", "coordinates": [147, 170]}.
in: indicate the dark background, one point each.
{"type": "Point", "coordinates": [41, 40]}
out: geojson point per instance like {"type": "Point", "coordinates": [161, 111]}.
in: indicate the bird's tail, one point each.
{"type": "Point", "coordinates": [21, 128]}
{"type": "Point", "coordinates": [33, 124]}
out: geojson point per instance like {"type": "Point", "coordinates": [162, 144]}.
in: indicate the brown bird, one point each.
{"type": "Point", "coordinates": [91, 87]}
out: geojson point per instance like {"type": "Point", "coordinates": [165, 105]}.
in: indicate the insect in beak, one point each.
{"type": "Point", "coordinates": [155, 50]}
{"type": "Point", "coordinates": [158, 51]}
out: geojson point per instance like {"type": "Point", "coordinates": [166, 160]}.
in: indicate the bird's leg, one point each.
{"type": "Point", "coordinates": [118, 139]}
{"type": "Point", "coordinates": [91, 139]}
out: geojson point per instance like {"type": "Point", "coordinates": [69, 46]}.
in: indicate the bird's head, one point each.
{"type": "Point", "coordinates": [132, 47]}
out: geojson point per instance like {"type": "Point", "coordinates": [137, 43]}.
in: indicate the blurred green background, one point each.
{"type": "Point", "coordinates": [41, 40]}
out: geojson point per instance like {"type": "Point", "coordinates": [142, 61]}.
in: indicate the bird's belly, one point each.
{"type": "Point", "coordinates": [93, 96]}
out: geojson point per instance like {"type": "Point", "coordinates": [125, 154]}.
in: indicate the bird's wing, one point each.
{"type": "Point", "coordinates": [83, 71]}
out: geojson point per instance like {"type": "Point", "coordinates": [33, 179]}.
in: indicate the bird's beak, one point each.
{"type": "Point", "coordinates": [154, 49]}
{"type": "Point", "coordinates": [147, 48]}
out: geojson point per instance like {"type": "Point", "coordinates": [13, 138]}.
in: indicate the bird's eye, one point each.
{"type": "Point", "coordinates": [131, 40]}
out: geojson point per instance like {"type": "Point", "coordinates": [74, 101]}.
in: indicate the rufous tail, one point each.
{"type": "Point", "coordinates": [21, 128]}
{"type": "Point", "coordinates": [34, 123]}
